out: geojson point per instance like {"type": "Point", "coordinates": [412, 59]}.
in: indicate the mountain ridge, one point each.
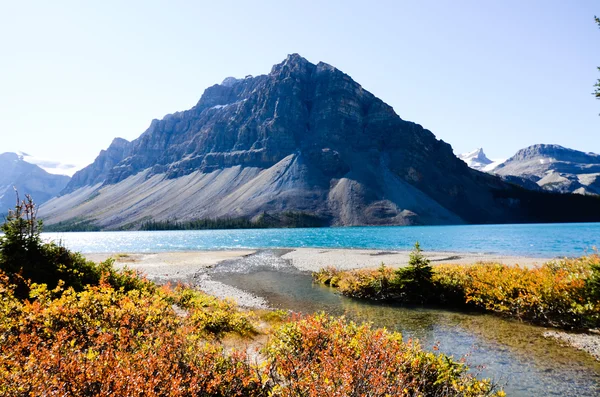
{"type": "Point", "coordinates": [26, 178]}
{"type": "Point", "coordinates": [548, 167]}
{"type": "Point", "coordinates": [555, 168]}
{"type": "Point", "coordinates": [304, 138]}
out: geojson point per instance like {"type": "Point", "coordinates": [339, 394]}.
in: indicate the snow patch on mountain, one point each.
{"type": "Point", "coordinates": [493, 165]}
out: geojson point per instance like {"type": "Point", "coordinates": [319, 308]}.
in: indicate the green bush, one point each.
{"type": "Point", "coordinates": [593, 282]}
{"type": "Point", "coordinates": [27, 259]}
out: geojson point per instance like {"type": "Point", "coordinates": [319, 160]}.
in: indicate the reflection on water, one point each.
{"type": "Point", "coordinates": [512, 353]}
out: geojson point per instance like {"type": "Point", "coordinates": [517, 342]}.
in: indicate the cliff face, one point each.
{"type": "Point", "coordinates": [303, 138]}
{"type": "Point", "coordinates": [98, 171]}
{"type": "Point", "coordinates": [555, 168]}
{"type": "Point", "coordinates": [27, 178]}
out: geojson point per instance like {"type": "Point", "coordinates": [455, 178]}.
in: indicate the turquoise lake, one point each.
{"type": "Point", "coordinates": [535, 240]}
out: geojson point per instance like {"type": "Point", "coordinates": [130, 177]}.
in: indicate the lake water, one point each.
{"type": "Point", "coordinates": [514, 354]}
{"type": "Point", "coordinates": [535, 240]}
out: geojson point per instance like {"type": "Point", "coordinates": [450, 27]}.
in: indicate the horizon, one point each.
{"type": "Point", "coordinates": [80, 76]}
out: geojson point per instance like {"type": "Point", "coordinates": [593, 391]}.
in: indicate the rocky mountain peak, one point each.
{"type": "Point", "coordinates": [10, 156]}
{"type": "Point", "coordinates": [304, 138]}
{"type": "Point", "coordinates": [555, 168]}
{"type": "Point", "coordinates": [98, 171]}
{"type": "Point", "coordinates": [555, 152]}
{"type": "Point", "coordinates": [118, 143]}
{"type": "Point", "coordinates": [480, 156]}
{"type": "Point", "coordinates": [476, 159]}
{"type": "Point", "coordinates": [294, 65]}
{"type": "Point", "coordinates": [230, 81]}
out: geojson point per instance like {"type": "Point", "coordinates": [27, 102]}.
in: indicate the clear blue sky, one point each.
{"type": "Point", "coordinates": [497, 74]}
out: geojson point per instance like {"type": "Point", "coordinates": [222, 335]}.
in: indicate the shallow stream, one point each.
{"type": "Point", "coordinates": [513, 354]}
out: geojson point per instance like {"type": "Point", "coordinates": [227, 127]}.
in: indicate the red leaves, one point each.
{"type": "Point", "coordinates": [323, 356]}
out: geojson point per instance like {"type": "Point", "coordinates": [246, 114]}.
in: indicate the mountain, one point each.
{"type": "Point", "coordinates": [555, 168]}
{"type": "Point", "coordinates": [479, 161]}
{"type": "Point", "coordinates": [50, 166]}
{"type": "Point", "coordinates": [27, 178]}
{"type": "Point", "coordinates": [305, 139]}
{"type": "Point", "coordinates": [98, 171]}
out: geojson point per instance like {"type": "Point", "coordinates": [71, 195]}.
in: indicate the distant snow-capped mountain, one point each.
{"type": "Point", "coordinates": [544, 167]}
{"type": "Point", "coordinates": [50, 166]}
{"type": "Point", "coordinates": [479, 161]}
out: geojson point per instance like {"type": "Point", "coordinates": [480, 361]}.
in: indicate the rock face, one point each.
{"type": "Point", "coordinates": [27, 178]}
{"type": "Point", "coordinates": [98, 171]}
{"type": "Point", "coordinates": [304, 138]}
{"type": "Point", "coordinates": [555, 168]}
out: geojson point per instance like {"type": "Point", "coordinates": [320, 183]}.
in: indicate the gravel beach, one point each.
{"type": "Point", "coordinates": [189, 268]}
{"type": "Point", "coordinates": [184, 266]}
{"type": "Point", "coordinates": [313, 259]}
{"type": "Point", "coordinates": [587, 342]}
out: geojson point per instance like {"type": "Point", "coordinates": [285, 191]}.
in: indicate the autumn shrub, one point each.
{"type": "Point", "coordinates": [105, 341]}
{"type": "Point", "coordinates": [410, 284]}
{"type": "Point", "coordinates": [559, 293]}
{"type": "Point", "coordinates": [24, 256]}
{"type": "Point", "coordinates": [328, 275]}
{"type": "Point", "coordinates": [593, 281]}
{"type": "Point", "coordinates": [562, 293]}
{"type": "Point", "coordinates": [325, 356]}
{"type": "Point", "coordinates": [213, 316]}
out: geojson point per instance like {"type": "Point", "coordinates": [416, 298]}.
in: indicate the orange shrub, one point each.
{"type": "Point", "coordinates": [322, 356]}
{"type": "Point", "coordinates": [167, 342]}
{"type": "Point", "coordinates": [103, 342]}
{"type": "Point", "coordinates": [554, 294]}
{"type": "Point", "coordinates": [562, 293]}
{"type": "Point", "coordinates": [362, 283]}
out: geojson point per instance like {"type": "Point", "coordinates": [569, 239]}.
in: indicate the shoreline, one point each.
{"type": "Point", "coordinates": [193, 267]}
{"type": "Point", "coordinates": [311, 259]}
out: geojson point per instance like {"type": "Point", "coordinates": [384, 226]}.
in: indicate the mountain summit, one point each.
{"type": "Point", "coordinates": [555, 168]}
{"type": "Point", "coordinates": [26, 178]}
{"type": "Point", "coordinates": [305, 138]}
{"type": "Point", "coordinates": [479, 161]}
{"type": "Point", "coordinates": [475, 159]}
